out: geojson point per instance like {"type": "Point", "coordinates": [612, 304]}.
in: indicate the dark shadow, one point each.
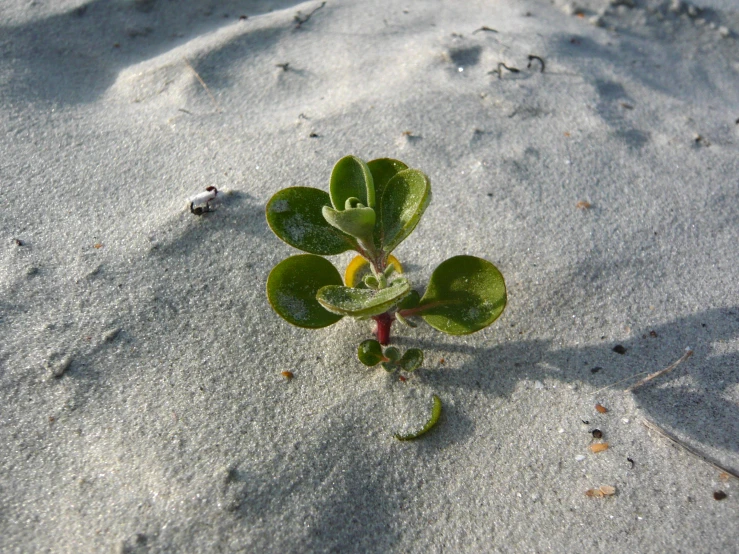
{"type": "Point", "coordinates": [348, 500]}
{"type": "Point", "coordinates": [51, 59]}
{"type": "Point", "coordinates": [351, 503]}
{"type": "Point", "coordinates": [699, 409]}
{"type": "Point", "coordinates": [465, 56]}
{"type": "Point", "coordinates": [656, 75]}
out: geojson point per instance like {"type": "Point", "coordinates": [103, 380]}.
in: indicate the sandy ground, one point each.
{"type": "Point", "coordinates": [142, 407]}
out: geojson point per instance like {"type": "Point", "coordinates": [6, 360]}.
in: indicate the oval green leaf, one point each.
{"type": "Point", "coordinates": [411, 360]}
{"type": "Point", "coordinates": [295, 215]}
{"type": "Point", "coordinates": [292, 286]}
{"type": "Point", "coordinates": [465, 294]}
{"type": "Point", "coordinates": [351, 178]}
{"type": "Point", "coordinates": [392, 353]}
{"type": "Point", "coordinates": [382, 169]}
{"type": "Point", "coordinates": [361, 302]}
{"type": "Point", "coordinates": [404, 200]}
{"type": "Point", "coordinates": [370, 352]}
{"type": "Point", "coordinates": [435, 414]}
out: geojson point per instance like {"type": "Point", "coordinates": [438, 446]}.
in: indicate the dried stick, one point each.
{"type": "Point", "coordinates": [200, 79]}
{"type": "Point", "coordinates": [688, 354]}
{"type": "Point", "coordinates": [669, 436]}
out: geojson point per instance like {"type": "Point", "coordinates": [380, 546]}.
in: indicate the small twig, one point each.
{"type": "Point", "coordinates": [532, 58]}
{"type": "Point", "coordinates": [688, 354]}
{"type": "Point", "coordinates": [500, 68]}
{"type": "Point", "coordinates": [300, 20]}
{"type": "Point", "coordinates": [200, 79]}
{"type": "Point", "coordinates": [698, 454]}
{"type": "Point", "coordinates": [484, 28]}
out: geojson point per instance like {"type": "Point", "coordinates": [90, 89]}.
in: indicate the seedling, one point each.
{"type": "Point", "coordinates": [371, 207]}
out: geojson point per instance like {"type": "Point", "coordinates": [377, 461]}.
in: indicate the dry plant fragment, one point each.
{"type": "Point", "coordinates": [695, 452]}
{"type": "Point", "coordinates": [484, 28]}
{"type": "Point", "coordinates": [202, 83]}
{"type": "Point", "coordinates": [598, 447]}
{"type": "Point", "coordinates": [688, 354]}
{"type": "Point", "coordinates": [600, 492]}
{"type": "Point", "coordinates": [583, 205]}
{"type": "Point", "coordinates": [601, 409]}
{"type": "Point", "coordinates": [287, 375]}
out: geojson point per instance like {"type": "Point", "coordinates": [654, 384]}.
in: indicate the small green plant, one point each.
{"type": "Point", "coordinates": [371, 207]}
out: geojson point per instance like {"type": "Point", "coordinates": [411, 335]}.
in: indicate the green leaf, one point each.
{"type": "Point", "coordinates": [392, 356]}
{"type": "Point", "coordinates": [411, 360]}
{"type": "Point", "coordinates": [361, 302]}
{"type": "Point", "coordinates": [465, 294]}
{"type": "Point", "coordinates": [405, 321]}
{"type": "Point", "coordinates": [351, 178]}
{"type": "Point", "coordinates": [410, 301]}
{"type": "Point", "coordinates": [382, 169]}
{"type": "Point", "coordinates": [294, 214]}
{"type": "Point", "coordinates": [292, 286]}
{"type": "Point", "coordinates": [392, 353]}
{"type": "Point", "coordinates": [357, 222]}
{"type": "Point", "coordinates": [404, 200]}
{"type": "Point", "coordinates": [435, 414]}
{"type": "Point", "coordinates": [370, 352]}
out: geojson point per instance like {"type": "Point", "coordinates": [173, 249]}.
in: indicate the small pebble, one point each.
{"type": "Point", "coordinates": [579, 458]}
{"type": "Point", "coordinates": [58, 367]}
{"type": "Point", "coordinates": [538, 385]}
{"type": "Point", "coordinates": [110, 335]}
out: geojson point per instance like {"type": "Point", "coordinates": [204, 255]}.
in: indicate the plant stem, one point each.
{"type": "Point", "coordinates": [384, 322]}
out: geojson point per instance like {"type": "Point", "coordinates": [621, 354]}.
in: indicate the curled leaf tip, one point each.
{"type": "Point", "coordinates": [435, 414]}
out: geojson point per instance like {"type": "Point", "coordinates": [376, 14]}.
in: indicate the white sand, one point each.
{"type": "Point", "coordinates": [170, 428]}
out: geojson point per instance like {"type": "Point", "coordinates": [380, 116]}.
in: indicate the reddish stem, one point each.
{"type": "Point", "coordinates": [384, 322]}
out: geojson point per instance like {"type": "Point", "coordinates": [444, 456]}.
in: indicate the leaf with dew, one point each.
{"type": "Point", "coordinates": [404, 200]}
{"type": "Point", "coordinates": [369, 352]}
{"type": "Point", "coordinates": [295, 215]}
{"type": "Point", "coordinates": [292, 286]}
{"type": "Point", "coordinates": [358, 302]}
{"type": "Point", "coordinates": [465, 294]}
{"type": "Point", "coordinates": [351, 178]}
{"type": "Point", "coordinates": [382, 169]}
